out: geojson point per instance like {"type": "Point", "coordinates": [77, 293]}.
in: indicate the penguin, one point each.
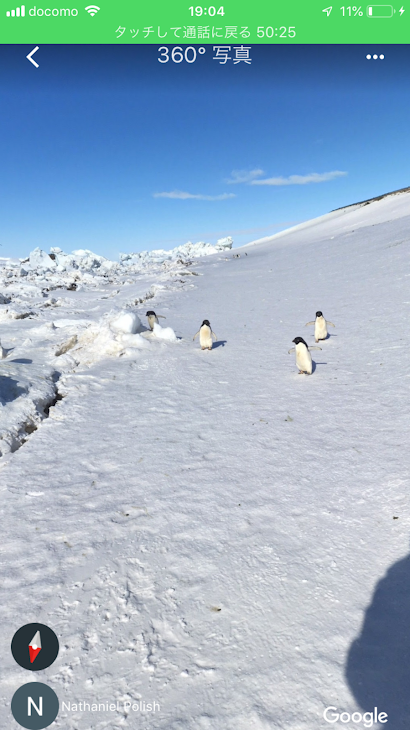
{"type": "Point", "coordinates": [152, 318]}
{"type": "Point", "coordinates": [303, 356]}
{"type": "Point", "coordinates": [205, 335]}
{"type": "Point", "coordinates": [320, 326]}
{"type": "Point", "coordinates": [3, 352]}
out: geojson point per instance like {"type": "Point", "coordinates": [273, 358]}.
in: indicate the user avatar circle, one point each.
{"type": "Point", "coordinates": [35, 647]}
{"type": "Point", "coordinates": [35, 705]}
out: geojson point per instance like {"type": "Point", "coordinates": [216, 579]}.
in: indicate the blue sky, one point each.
{"type": "Point", "coordinates": [102, 147]}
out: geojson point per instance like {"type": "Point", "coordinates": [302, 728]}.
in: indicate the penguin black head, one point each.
{"type": "Point", "coordinates": [299, 341]}
{"type": "Point", "coordinates": [150, 312]}
{"type": "Point", "coordinates": [319, 314]}
{"type": "Point", "coordinates": [206, 322]}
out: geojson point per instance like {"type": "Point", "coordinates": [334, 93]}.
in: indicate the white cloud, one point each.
{"type": "Point", "coordinates": [180, 195]}
{"type": "Point", "coordinates": [243, 176]}
{"type": "Point", "coordinates": [314, 177]}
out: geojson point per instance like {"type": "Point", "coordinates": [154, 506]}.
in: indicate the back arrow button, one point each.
{"type": "Point", "coordinates": [29, 57]}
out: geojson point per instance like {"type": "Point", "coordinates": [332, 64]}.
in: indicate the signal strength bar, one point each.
{"type": "Point", "coordinates": [17, 13]}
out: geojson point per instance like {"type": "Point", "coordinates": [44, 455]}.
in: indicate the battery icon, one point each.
{"type": "Point", "coordinates": [380, 11]}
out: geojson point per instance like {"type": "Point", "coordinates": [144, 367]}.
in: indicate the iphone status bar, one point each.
{"type": "Point", "coordinates": [239, 22]}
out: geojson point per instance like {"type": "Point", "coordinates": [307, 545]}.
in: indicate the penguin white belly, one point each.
{"type": "Point", "coordinates": [303, 359]}
{"type": "Point", "coordinates": [205, 337]}
{"type": "Point", "coordinates": [320, 329]}
{"type": "Point", "coordinates": [151, 321]}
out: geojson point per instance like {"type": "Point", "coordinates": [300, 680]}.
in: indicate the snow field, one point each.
{"type": "Point", "coordinates": [207, 529]}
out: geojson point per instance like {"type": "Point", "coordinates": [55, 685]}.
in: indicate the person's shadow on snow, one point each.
{"type": "Point", "coordinates": [219, 343]}
{"type": "Point", "coordinates": [378, 663]}
{"type": "Point", "coordinates": [9, 390]}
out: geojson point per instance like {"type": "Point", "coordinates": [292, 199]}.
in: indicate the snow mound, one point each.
{"type": "Point", "coordinates": [42, 261]}
{"type": "Point", "coordinates": [127, 323]}
{"type": "Point", "coordinates": [96, 343]}
{"type": "Point", "coordinates": [164, 333]}
{"type": "Point", "coordinates": [134, 341]}
{"type": "Point", "coordinates": [187, 250]}
{"type": "Point", "coordinates": [82, 259]}
{"type": "Point", "coordinates": [224, 243]}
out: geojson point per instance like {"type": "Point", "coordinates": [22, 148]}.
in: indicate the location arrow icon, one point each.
{"type": "Point", "coordinates": [29, 56]}
{"type": "Point", "coordinates": [327, 10]}
{"type": "Point", "coordinates": [34, 646]}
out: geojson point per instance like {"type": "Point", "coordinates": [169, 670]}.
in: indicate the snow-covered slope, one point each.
{"type": "Point", "coordinates": [39, 290]}
{"type": "Point", "coordinates": [206, 530]}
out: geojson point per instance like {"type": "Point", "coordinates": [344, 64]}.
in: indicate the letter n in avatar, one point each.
{"type": "Point", "coordinates": [31, 703]}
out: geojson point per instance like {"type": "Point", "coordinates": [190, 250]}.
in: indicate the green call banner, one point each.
{"type": "Point", "coordinates": [182, 22]}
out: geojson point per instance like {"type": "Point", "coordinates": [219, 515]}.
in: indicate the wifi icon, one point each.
{"type": "Point", "coordinates": [92, 9]}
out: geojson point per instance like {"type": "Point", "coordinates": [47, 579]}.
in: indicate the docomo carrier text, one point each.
{"type": "Point", "coordinates": [368, 719]}
{"type": "Point", "coordinates": [55, 12]}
